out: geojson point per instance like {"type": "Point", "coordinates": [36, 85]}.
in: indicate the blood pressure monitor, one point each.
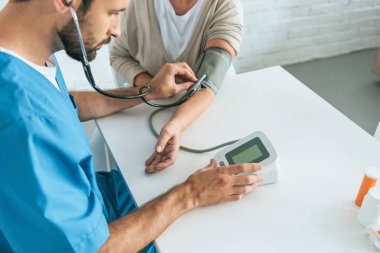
{"type": "Point", "coordinates": [255, 148]}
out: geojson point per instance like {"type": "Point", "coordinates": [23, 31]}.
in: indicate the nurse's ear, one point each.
{"type": "Point", "coordinates": [63, 6]}
{"type": "Point", "coordinates": [62, 9]}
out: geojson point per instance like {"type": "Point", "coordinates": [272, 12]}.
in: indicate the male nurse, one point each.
{"type": "Point", "coordinates": [51, 200]}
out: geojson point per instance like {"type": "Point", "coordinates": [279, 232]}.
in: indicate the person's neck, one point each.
{"type": "Point", "coordinates": [29, 35]}
{"type": "Point", "coordinates": [181, 7]}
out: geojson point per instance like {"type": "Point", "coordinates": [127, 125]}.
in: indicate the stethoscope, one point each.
{"type": "Point", "coordinates": [142, 94]}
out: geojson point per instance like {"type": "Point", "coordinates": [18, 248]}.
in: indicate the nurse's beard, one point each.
{"type": "Point", "coordinates": [71, 43]}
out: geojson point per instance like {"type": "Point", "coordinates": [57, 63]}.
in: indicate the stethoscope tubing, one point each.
{"type": "Point", "coordinates": [87, 69]}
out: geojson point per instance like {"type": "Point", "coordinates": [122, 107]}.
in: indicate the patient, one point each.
{"type": "Point", "coordinates": [155, 32]}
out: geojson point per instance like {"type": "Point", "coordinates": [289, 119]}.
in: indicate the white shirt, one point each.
{"type": "Point", "coordinates": [176, 31]}
{"type": "Point", "coordinates": [49, 72]}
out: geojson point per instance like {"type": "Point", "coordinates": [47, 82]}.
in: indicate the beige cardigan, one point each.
{"type": "Point", "coordinates": [140, 47]}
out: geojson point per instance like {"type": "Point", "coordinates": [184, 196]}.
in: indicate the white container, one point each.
{"type": "Point", "coordinates": [374, 236]}
{"type": "Point", "coordinates": [369, 213]}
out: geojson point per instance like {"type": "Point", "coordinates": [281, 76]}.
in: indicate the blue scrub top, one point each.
{"type": "Point", "coordinates": [49, 199]}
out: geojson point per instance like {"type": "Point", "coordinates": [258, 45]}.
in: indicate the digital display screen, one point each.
{"type": "Point", "coordinates": [252, 151]}
{"type": "Point", "coordinates": [246, 156]}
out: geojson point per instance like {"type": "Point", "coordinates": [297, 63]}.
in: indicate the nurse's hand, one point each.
{"type": "Point", "coordinates": [166, 149]}
{"type": "Point", "coordinates": [164, 83]}
{"type": "Point", "coordinates": [214, 185]}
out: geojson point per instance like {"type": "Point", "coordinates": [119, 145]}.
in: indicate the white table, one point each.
{"type": "Point", "coordinates": [322, 153]}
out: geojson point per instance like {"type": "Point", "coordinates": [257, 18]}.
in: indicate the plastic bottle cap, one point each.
{"type": "Point", "coordinates": [369, 181]}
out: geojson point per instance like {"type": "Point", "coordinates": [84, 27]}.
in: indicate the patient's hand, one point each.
{"type": "Point", "coordinates": [165, 151]}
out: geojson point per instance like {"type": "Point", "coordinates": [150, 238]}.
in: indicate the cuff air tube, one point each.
{"type": "Point", "coordinates": [215, 63]}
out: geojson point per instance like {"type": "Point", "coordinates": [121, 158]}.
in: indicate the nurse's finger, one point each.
{"type": "Point", "coordinates": [183, 86]}
{"type": "Point", "coordinates": [186, 66]}
{"type": "Point", "coordinates": [241, 168]}
{"type": "Point", "coordinates": [247, 179]}
{"type": "Point", "coordinates": [243, 190]}
{"type": "Point", "coordinates": [185, 73]}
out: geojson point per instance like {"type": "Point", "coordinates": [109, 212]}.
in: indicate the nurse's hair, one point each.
{"type": "Point", "coordinates": [84, 6]}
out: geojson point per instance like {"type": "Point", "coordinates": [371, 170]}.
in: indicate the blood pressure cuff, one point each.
{"type": "Point", "coordinates": [215, 63]}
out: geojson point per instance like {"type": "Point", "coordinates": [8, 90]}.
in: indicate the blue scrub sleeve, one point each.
{"type": "Point", "coordinates": [47, 200]}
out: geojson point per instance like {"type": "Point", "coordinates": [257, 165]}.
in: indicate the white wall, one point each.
{"type": "Point", "coordinates": [280, 32]}
{"type": "Point", "coordinates": [74, 76]}
{"type": "Point", "coordinates": [277, 32]}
